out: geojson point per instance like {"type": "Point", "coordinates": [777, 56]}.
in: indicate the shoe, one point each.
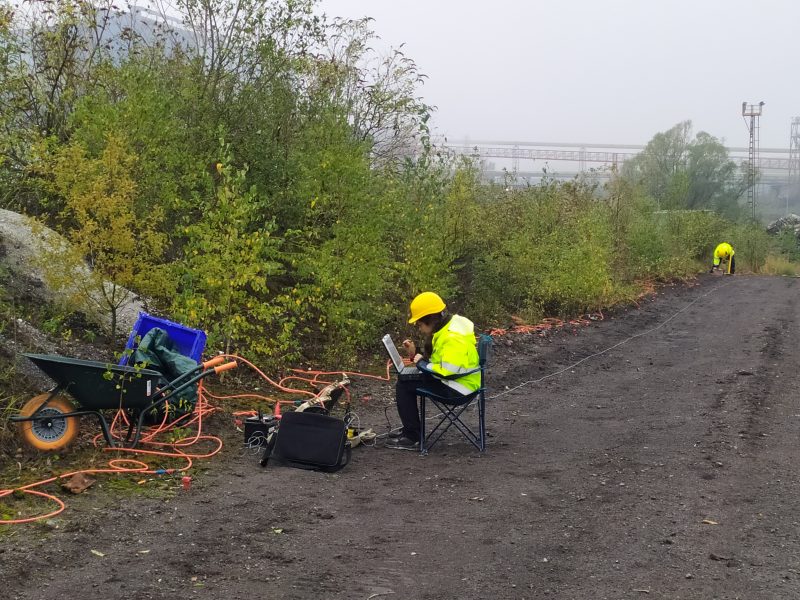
{"type": "Point", "coordinates": [403, 444]}
{"type": "Point", "coordinates": [395, 434]}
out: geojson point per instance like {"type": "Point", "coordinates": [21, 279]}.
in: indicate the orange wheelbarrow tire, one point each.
{"type": "Point", "coordinates": [55, 432]}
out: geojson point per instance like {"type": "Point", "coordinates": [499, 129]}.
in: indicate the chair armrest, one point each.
{"type": "Point", "coordinates": [424, 366]}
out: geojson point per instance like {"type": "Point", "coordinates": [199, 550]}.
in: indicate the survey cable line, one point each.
{"type": "Point", "coordinates": [617, 345]}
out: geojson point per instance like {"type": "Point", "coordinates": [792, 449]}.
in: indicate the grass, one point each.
{"type": "Point", "coordinates": [138, 485]}
{"type": "Point", "coordinates": [19, 506]}
{"type": "Point", "coordinates": [108, 489]}
{"type": "Point", "coordinates": [9, 406]}
{"type": "Point", "coordinates": [777, 265]}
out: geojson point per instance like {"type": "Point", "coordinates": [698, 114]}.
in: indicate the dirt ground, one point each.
{"type": "Point", "coordinates": [664, 465]}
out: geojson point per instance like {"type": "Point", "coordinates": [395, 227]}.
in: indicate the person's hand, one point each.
{"type": "Point", "coordinates": [417, 358]}
{"type": "Point", "coordinates": [410, 347]}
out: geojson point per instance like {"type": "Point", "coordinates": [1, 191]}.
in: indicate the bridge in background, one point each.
{"type": "Point", "coordinates": [530, 177]}
{"type": "Point", "coordinates": [776, 165]}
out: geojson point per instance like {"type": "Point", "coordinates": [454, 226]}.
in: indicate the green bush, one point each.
{"type": "Point", "coordinates": [751, 244]}
{"type": "Point", "coordinates": [786, 244]}
{"type": "Point", "coordinates": [326, 209]}
{"type": "Point", "coordinates": [545, 251]}
{"type": "Point", "coordinates": [778, 265]}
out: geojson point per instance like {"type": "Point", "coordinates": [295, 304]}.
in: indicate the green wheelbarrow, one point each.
{"type": "Point", "coordinates": [50, 421]}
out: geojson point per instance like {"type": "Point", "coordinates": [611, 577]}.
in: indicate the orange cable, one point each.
{"type": "Point", "coordinates": [202, 408]}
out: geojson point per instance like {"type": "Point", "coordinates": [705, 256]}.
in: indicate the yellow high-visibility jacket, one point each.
{"type": "Point", "coordinates": [453, 352]}
{"type": "Point", "coordinates": [724, 250]}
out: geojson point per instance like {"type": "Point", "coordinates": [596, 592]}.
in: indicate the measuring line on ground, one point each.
{"type": "Point", "coordinates": [617, 345]}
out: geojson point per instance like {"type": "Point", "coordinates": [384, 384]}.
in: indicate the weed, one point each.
{"type": "Point", "coordinates": [777, 265]}
{"type": "Point", "coordinates": [17, 506]}
{"type": "Point", "coordinates": [137, 484]}
{"type": "Point", "coordinates": [53, 324]}
{"type": "Point", "coordinates": [178, 434]}
{"type": "Point", "coordinates": [9, 406]}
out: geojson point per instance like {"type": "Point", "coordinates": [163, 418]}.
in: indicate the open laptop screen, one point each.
{"type": "Point", "coordinates": [411, 372]}
{"type": "Point", "coordinates": [393, 353]}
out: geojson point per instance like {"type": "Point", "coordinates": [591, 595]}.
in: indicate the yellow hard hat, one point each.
{"type": "Point", "coordinates": [427, 303]}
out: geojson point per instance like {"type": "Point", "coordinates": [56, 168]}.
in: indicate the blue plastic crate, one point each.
{"type": "Point", "coordinates": [189, 342]}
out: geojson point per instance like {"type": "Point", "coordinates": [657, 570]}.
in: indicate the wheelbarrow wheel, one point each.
{"type": "Point", "coordinates": [53, 433]}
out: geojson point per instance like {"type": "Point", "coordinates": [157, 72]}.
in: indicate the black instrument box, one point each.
{"type": "Point", "coordinates": [257, 429]}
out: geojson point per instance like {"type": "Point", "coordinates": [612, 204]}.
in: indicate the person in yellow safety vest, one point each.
{"type": "Point", "coordinates": [449, 348]}
{"type": "Point", "coordinates": [724, 252]}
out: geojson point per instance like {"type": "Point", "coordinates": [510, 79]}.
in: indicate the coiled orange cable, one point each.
{"type": "Point", "coordinates": [174, 449]}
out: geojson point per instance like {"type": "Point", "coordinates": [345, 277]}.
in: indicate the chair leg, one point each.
{"type": "Point", "coordinates": [482, 421]}
{"type": "Point", "coordinates": [452, 417]}
{"type": "Point", "coordinates": [422, 449]}
{"type": "Point", "coordinates": [441, 427]}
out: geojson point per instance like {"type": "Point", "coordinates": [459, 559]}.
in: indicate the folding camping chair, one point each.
{"type": "Point", "coordinates": [453, 408]}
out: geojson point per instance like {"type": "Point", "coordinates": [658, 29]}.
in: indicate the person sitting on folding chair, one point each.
{"type": "Point", "coordinates": [449, 349]}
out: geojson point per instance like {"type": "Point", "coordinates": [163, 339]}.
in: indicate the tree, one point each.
{"type": "Point", "coordinates": [52, 53]}
{"type": "Point", "coordinates": [714, 179]}
{"type": "Point", "coordinates": [678, 172]}
{"type": "Point", "coordinates": [6, 52]}
{"type": "Point", "coordinates": [661, 160]}
{"type": "Point", "coordinates": [228, 260]}
{"type": "Point", "coordinates": [123, 249]}
{"type": "Point", "coordinates": [378, 94]}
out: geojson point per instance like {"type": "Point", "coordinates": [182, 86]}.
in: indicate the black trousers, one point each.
{"type": "Point", "coordinates": [407, 405]}
{"type": "Point", "coordinates": [733, 265]}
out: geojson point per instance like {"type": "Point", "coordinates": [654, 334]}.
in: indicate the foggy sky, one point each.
{"type": "Point", "coordinates": [610, 71]}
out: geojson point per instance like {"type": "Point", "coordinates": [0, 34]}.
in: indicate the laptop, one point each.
{"type": "Point", "coordinates": [403, 372]}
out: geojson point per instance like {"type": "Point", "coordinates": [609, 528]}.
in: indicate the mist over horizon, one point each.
{"type": "Point", "coordinates": [584, 72]}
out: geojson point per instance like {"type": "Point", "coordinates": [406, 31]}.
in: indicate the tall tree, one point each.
{"type": "Point", "coordinates": [52, 53]}
{"type": "Point", "coordinates": [662, 159]}
{"type": "Point", "coordinates": [123, 249]}
{"type": "Point", "coordinates": [715, 180]}
{"type": "Point", "coordinates": [677, 171]}
{"type": "Point", "coordinates": [225, 271]}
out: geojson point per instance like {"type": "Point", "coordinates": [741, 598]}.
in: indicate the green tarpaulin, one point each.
{"type": "Point", "coordinates": [157, 351]}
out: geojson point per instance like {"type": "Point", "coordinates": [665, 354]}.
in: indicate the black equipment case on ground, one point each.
{"type": "Point", "coordinates": [309, 440]}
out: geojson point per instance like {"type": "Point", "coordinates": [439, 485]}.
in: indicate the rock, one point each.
{"type": "Point", "coordinates": [21, 246]}
{"type": "Point", "coordinates": [78, 483]}
{"type": "Point", "coordinates": [791, 221]}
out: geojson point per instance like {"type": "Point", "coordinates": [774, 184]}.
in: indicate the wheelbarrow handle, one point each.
{"type": "Point", "coordinates": [163, 398]}
{"type": "Point", "coordinates": [217, 360]}
{"type": "Point", "coordinates": [207, 367]}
